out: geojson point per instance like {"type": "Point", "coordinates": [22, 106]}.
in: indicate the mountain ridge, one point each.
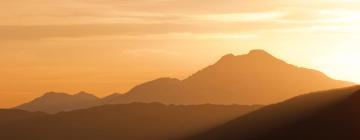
{"type": "Point", "coordinates": [233, 79]}
{"type": "Point", "coordinates": [233, 64]}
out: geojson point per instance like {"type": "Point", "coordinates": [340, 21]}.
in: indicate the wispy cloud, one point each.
{"type": "Point", "coordinates": [143, 18]}
{"type": "Point", "coordinates": [167, 36]}
{"type": "Point", "coordinates": [241, 17]}
{"type": "Point", "coordinates": [322, 16]}
{"type": "Point", "coordinates": [319, 28]}
{"type": "Point", "coordinates": [142, 52]}
{"type": "Point", "coordinates": [152, 20]}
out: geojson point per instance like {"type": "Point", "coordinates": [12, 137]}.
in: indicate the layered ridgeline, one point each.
{"type": "Point", "coordinates": [136, 121]}
{"type": "Point", "coordinates": [253, 78]}
{"type": "Point", "coordinates": [329, 115]}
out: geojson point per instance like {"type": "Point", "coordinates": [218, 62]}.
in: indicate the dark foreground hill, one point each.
{"type": "Point", "coordinates": [13, 115]}
{"type": "Point", "coordinates": [329, 115]}
{"type": "Point", "coordinates": [136, 121]}
{"type": "Point", "coordinates": [253, 78]}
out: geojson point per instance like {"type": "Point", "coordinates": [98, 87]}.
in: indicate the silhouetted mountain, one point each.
{"type": "Point", "coordinates": [254, 78]}
{"type": "Point", "coordinates": [53, 102]}
{"type": "Point", "coordinates": [328, 115]}
{"type": "Point", "coordinates": [136, 121]}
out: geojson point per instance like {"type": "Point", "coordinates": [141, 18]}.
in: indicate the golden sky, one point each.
{"type": "Point", "coordinates": [107, 46]}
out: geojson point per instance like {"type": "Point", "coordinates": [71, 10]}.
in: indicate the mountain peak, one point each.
{"type": "Point", "coordinates": [230, 55]}
{"type": "Point", "coordinates": [253, 55]}
{"type": "Point", "coordinates": [227, 58]}
{"type": "Point", "coordinates": [82, 93]}
{"type": "Point", "coordinates": [263, 56]}
{"type": "Point", "coordinates": [259, 52]}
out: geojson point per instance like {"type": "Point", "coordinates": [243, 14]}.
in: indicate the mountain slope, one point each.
{"type": "Point", "coordinates": [134, 121]}
{"type": "Point", "coordinates": [53, 102]}
{"type": "Point", "coordinates": [254, 78]}
{"type": "Point", "coordinates": [330, 115]}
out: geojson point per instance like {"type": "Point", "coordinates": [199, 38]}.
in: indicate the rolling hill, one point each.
{"type": "Point", "coordinates": [330, 115]}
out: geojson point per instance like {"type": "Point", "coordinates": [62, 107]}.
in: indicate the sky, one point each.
{"type": "Point", "coordinates": [108, 46]}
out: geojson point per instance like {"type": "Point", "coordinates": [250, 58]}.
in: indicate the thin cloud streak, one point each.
{"type": "Point", "coordinates": [144, 18]}
{"type": "Point", "coordinates": [168, 36]}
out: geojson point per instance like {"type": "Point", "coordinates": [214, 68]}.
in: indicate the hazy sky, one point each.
{"type": "Point", "coordinates": [107, 46]}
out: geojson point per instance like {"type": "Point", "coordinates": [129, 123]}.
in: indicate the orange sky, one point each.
{"type": "Point", "coordinates": [106, 46]}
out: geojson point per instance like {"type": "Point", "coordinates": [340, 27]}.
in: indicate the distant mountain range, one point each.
{"type": "Point", "coordinates": [136, 121]}
{"type": "Point", "coordinates": [328, 115]}
{"type": "Point", "coordinates": [53, 102]}
{"type": "Point", "coordinates": [253, 78]}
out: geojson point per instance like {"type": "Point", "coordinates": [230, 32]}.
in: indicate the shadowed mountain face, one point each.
{"type": "Point", "coordinates": [135, 121]}
{"type": "Point", "coordinates": [53, 102]}
{"type": "Point", "coordinates": [329, 115]}
{"type": "Point", "coordinates": [253, 78]}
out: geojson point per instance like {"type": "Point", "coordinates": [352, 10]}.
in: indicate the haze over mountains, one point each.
{"type": "Point", "coordinates": [328, 115]}
{"type": "Point", "coordinates": [244, 79]}
{"type": "Point", "coordinates": [253, 78]}
{"type": "Point", "coordinates": [136, 121]}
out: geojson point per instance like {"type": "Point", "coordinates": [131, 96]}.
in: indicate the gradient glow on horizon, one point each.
{"type": "Point", "coordinates": [107, 46]}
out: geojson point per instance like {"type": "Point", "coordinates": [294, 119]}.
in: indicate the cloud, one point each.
{"type": "Point", "coordinates": [338, 20]}
{"type": "Point", "coordinates": [164, 30]}
{"type": "Point", "coordinates": [69, 12]}
{"type": "Point", "coordinates": [320, 28]}
{"type": "Point", "coordinates": [323, 16]}
{"type": "Point", "coordinates": [142, 52]}
{"type": "Point", "coordinates": [168, 36]}
{"type": "Point", "coordinates": [241, 17]}
{"type": "Point", "coordinates": [143, 18]}
{"type": "Point", "coordinates": [167, 19]}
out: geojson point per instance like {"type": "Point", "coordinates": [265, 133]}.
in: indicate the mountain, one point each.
{"type": "Point", "coordinates": [253, 78]}
{"type": "Point", "coordinates": [330, 115]}
{"type": "Point", "coordinates": [53, 102]}
{"type": "Point", "coordinates": [136, 121]}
